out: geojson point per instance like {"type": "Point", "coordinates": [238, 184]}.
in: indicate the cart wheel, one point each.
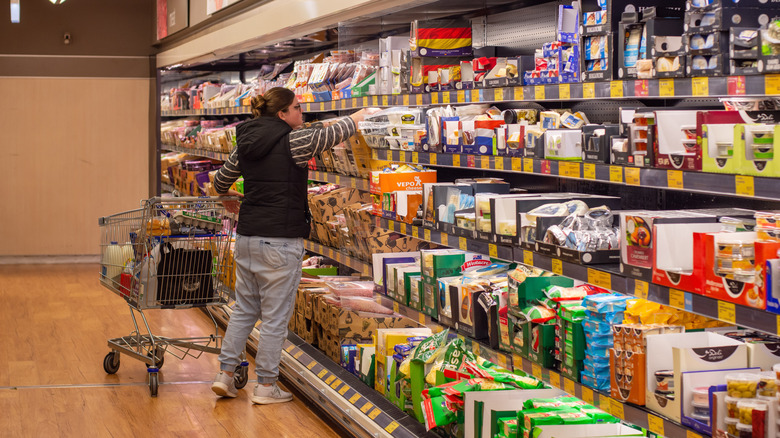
{"type": "Point", "coordinates": [153, 382]}
{"type": "Point", "coordinates": [241, 376]}
{"type": "Point", "coordinates": [111, 362]}
{"type": "Point", "coordinates": [158, 357]}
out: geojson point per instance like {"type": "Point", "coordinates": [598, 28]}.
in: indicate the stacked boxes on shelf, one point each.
{"type": "Point", "coordinates": [636, 32]}
{"type": "Point", "coordinates": [603, 310]}
{"type": "Point", "coordinates": [559, 61]}
{"type": "Point", "coordinates": [716, 30]}
{"type": "Point", "coordinates": [570, 339]}
{"type": "Point", "coordinates": [393, 76]}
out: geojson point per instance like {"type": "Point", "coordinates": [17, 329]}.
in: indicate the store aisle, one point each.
{"type": "Point", "coordinates": [54, 324]}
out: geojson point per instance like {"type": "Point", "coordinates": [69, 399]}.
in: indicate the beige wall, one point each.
{"type": "Point", "coordinates": [68, 163]}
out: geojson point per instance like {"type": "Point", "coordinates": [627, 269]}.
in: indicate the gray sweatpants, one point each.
{"type": "Point", "coordinates": [268, 270]}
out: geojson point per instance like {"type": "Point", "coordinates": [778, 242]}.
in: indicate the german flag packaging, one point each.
{"type": "Point", "coordinates": [436, 38]}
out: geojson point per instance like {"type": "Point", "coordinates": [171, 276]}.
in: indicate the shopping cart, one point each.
{"type": "Point", "coordinates": [173, 253]}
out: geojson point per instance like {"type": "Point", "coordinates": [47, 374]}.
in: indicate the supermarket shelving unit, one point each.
{"type": "Point", "coordinates": [363, 411]}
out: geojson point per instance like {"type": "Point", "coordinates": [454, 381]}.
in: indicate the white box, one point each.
{"type": "Point", "coordinates": [563, 144]}
{"type": "Point", "coordinates": [688, 352]}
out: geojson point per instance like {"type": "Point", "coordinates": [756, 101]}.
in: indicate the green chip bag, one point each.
{"type": "Point", "coordinates": [438, 411]}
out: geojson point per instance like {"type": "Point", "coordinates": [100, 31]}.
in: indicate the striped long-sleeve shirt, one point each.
{"type": "Point", "coordinates": [304, 144]}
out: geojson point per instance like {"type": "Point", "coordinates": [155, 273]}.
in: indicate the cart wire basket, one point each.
{"type": "Point", "coordinates": [172, 253]}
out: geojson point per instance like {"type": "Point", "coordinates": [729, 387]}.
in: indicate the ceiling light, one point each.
{"type": "Point", "coordinates": [57, 2]}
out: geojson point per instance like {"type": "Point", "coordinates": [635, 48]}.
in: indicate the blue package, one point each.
{"type": "Point", "coordinates": [348, 355]}
{"type": "Point", "coordinates": [398, 358]}
{"type": "Point", "coordinates": [403, 349]}
{"type": "Point", "coordinates": [605, 303]}
{"type": "Point", "coordinates": [596, 327]}
{"type": "Point", "coordinates": [608, 318]}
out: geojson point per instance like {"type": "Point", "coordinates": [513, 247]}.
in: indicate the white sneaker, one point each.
{"type": "Point", "coordinates": [224, 385]}
{"type": "Point", "coordinates": [266, 395]}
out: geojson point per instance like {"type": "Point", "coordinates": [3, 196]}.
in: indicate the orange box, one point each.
{"type": "Point", "coordinates": [627, 376]}
{"type": "Point", "coordinates": [390, 182]}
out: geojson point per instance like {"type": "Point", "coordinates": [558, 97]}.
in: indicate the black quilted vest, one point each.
{"type": "Point", "coordinates": [275, 202]}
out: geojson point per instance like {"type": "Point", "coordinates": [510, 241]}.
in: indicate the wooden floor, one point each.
{"type": "Point", "coordinates": [54, 324]}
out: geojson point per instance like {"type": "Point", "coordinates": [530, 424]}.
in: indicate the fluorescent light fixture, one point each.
{"type": "Point", "coordinates": [56, 2]}
{"type": "Point", "coordinates": [14, 11]}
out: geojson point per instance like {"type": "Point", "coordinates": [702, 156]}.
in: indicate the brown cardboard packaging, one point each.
{"type": "Point", "coordinates": [345, 324]}
{"type": "Point", "coordinates": [627, 376]}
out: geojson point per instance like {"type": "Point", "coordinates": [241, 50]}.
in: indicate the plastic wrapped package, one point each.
{"type": "Point", "coordinates": [351, 288]}
{"type": "Point", "coordinates": [364, 304]}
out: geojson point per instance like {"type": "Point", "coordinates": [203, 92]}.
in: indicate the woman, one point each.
{"type": "Point", "coordinates": [272, 155]}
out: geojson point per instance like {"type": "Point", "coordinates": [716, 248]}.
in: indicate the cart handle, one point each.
{"type": "Point", "coordinates": [158, 199]}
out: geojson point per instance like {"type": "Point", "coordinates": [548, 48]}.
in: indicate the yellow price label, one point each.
{"type": "Point", "coordinates": [616, 89]}
{"type": "Point", "coordinates": [536, 370]}
{"type": "Point", "coordinates": [403, 228]}
{"type": "Point", "coordinates": [498, 94]}
{"type": "Point", "coordinates": [366, 407]}
{"type": "Point", "coordinates": [772, 84]}
{"type": "Point", "coordinates": [353, 183]}
{"type": "Point", "coordinates": [330, 379]}
{"type": "Point", "coordinates": [405, 99]}
{"type": "Point", "coordinates": [484, 162]}
{"type": "Point", "coordinates": [502, 361]}
{"type": "Point", "coordinates": [402, 156]}
{"type": "Point", "coordinates": [604, 403]}
{"type": "Point", "coordinates": [528, 257]}
{"type": "Point", "coordinates": [355, 397]}
{"type": "Point", "coordinates": [557, 266]}
{"type": "Point", "coordinates": [290, 348]}
{"type": "Point", "coordinates": [354, 102]}
{"type": "Point", "coordinates": [298, 354]}
{"type": "Point", "coordinates": [616, 409]}
{"type": "Point", "coordinates": [492, 250]}
{"type": "Point", "coordinates": [745, 185]}
{"type": "Point", "coordinates": [391, 427]}
{"type": "Point", "coordinates": [539, 92]}
{"type": "Point", "coordinates": [632, 176]}
{"type": "Point", "coordinates": [700, 86]}
{"type": "Point", "coordinates": [385, 101]}
{"type": "Point", "coordinates": [517, 362]}
{"type": "Point", "coordinates": [421, 318]}
{"type": "Point", "coordinates": [445, 239]}
{"type": "Point", "coordinates": [588, 90]}
{"type": "Point", "coordinates": [311, 364]}
{"type": "Point", "coordinates": [365, 100]}
{"type": "Point", "coordinates": [418, 99]}
{"type": "Point", "coordinates": [435, 98]}
{"type": "Point", "coordinates": [343, 389]}
{"type": "Point", "coordinates": [460, 96]}
{"type": "Point", "coordinates": [373, 414]}
{"type": "Point", "coordinates": [322, 373]}
{"type": "Point", "coordinates": [456, 160]}
{"type": "Point", "coordinates": [528, 165]}
{"type": "Point", "coordinates": [462, 244]}
{"type": "Point", "coordinates": [499, 163]}
{"type": "Point", "coordinates": [589, 170]}
{"type": "Point", "coordinates": [674, 179]}
{"type": "Point", "coordinates": [475, 348]}
{"type": "Point", "coordinates": [568, 386]}
{"type": "Point", "coordinates": [677, 298]}
{"type": "Point", "coordinates": [666, 87]}
{"type": "Point", "coordinates": [338, 180]}
{"type": "Point", "coordinates": [391, 225]}
{"type": "Point", "coordinates": [727, 312]}
{"type": "Point", "coordinates": [432, 158]}
{"type": "Point", "coordinates": [338, 383]}
{"type": "Point", "coordinates": [396, 307]}
{"type": "Point", "coordinates": [475, 95]}
{"type": "Point", "coordinates": [587, 395]}
{"type": "Point", "coordinates": [518, 93]}
{"type": "Point", "coordinates": [415, 157]}
{"type": "Point", "coordinates": [555, 379]}
{"type": "Point", "coordinates": [427, 235]}
{"type": "Point", "coordinates": [692, 434]}
{"type": "Point", "coordinates": [616, 174]}
{"type": "Point", "coordinates": [641, 288]}
{"type": "Point", "coordinates": [445, 97]}
{"type": "Point", "coordinates": [564, 91]}
{"type": "Point", "coordinates": [375, 100]}
{"type": "Point", "coordinates": [655, 424]}
{"type": "Point", "coordinates": [599, 278]}
{"type": "Point", "coordinates": [517, 164]}
{"type": "Point", "coordinates": [415, 232]}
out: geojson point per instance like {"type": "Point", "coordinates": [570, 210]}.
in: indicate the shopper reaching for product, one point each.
{"type": "Point", "coordinates": [272, 155]}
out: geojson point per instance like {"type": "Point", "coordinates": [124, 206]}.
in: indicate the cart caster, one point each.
{"type": "Point", "coordinates": [158, 358]}
{"type": "Point", "coordinates": [153, 383]}
{"type": "Point", "coordinates": [111, 362]}
{"type": "Point", "coordinates": [241, 376]}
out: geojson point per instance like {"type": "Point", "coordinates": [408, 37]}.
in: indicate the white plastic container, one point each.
{"type": "Point", "coordinates": [112, 262]}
